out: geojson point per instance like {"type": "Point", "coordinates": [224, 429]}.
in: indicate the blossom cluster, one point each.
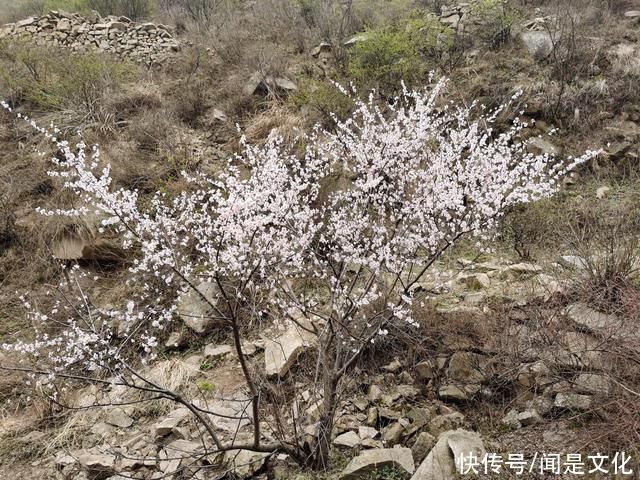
{"type": "Point", "coordinates": [359, 213]}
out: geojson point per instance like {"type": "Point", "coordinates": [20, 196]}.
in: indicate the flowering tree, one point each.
{"type": "Point", "coordinates": [333, 236]}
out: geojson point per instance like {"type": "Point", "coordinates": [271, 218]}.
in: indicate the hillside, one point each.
{"type": "Point", "coordinates": [299, 239]}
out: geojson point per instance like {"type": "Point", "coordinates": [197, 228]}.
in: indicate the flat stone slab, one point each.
{"type": "Point", "coordinates": [373, 460]}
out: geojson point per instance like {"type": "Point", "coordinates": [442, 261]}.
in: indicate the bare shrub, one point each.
{"type": "Point", "coordinates": [528, 229]}
{"type": "Point", "coordinates": [605, 235]}
{"type": "Point", "coordinates": [77, 87]}
{"type": "Point", "coordinates": [133, 9]}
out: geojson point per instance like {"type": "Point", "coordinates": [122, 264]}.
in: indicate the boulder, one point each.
{"type": "Point", "coordinates": [538, 43]}
{"type": "Point", "coordinates": [282, 352]}
{"type": "Point", "coordinates": [196, 312]}
{"type": "Point", "coordinates": [444, 459]}
{"type": "Point", "coordinates": [74, 247]}
{"type": "Point", "coordinates": [632, 14]}
{"type": "Point", "coordinates": [260, 84]}
{"type": "Point", "coordinates": [375, 460]}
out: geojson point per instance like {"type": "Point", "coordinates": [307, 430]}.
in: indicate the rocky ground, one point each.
{"type": "Point", "coordinates": [413, 417]}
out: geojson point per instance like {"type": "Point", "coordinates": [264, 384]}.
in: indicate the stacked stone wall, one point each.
{"type": "Point", "coordinates": [147, 43]}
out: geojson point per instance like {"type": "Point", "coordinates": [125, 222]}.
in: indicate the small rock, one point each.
{"type": "Point", "coordinates": [374, 394]}
{"type": "Point", "coordinates": [33, 437]}
{"type": "Point", "coordinates": [169, 423]}
{"type": "Point", "coordinates": [592, 384]}
{"type": "Point", "coordinates": [573, 401]}
{"type": "Point", "coordinates": [176, 340]}
{"type": "Point", "coordinates": [194, 311]}
{"type": "Point", "coordinates": [455, 393]}
{"type": "Point", "coordinates": [602, 192]}
{"type": "Point", "coordinates": [421, 447]}
{"type": "Point", "coordinates": [246, 463]}
{"type": "Point", "coordinates": [97, 464]}
{"type": "Point", "coordinates": [282, 352]}
{"type": "Point", "coordinates": [447, 421]}
{"type": "Point", "coordinates": [118, 418]}
{"type": "Point", "coordinates": [425, 370]}
{"type": "Point", "coordinates": [632, 14]}
{"type": "Point", "coordinates": [367, 432]}
{"type": "Point", "coordinates": [511, 419]}
{"type": "Point", "coordinates": [590, 319]}
{"type": "Point", "coordinates": [349, 440]}
{"type": "Point", "coordinates": [392, 367]}
{"type": "Point", "coordinates": [467, 367]}
{"type": "Point", "coordinates": [538, 43]}
{"type": "Point", "coordinates": [529, 417]}
{"type": "Point", "coordinates": [323, 47]}
{"type": "Point", "coordinates": [573, 261]}
{"type": "Point", "coordinates": [214, 351]}
{"type": "Point", "coordinates": [392, 434]}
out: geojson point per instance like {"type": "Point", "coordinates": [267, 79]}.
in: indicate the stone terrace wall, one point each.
{"type": "Point", "coordinates": [141, 42]}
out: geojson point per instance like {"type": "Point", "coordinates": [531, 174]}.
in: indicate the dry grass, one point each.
{"type": "Point", "coordinates": [277, 122]}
